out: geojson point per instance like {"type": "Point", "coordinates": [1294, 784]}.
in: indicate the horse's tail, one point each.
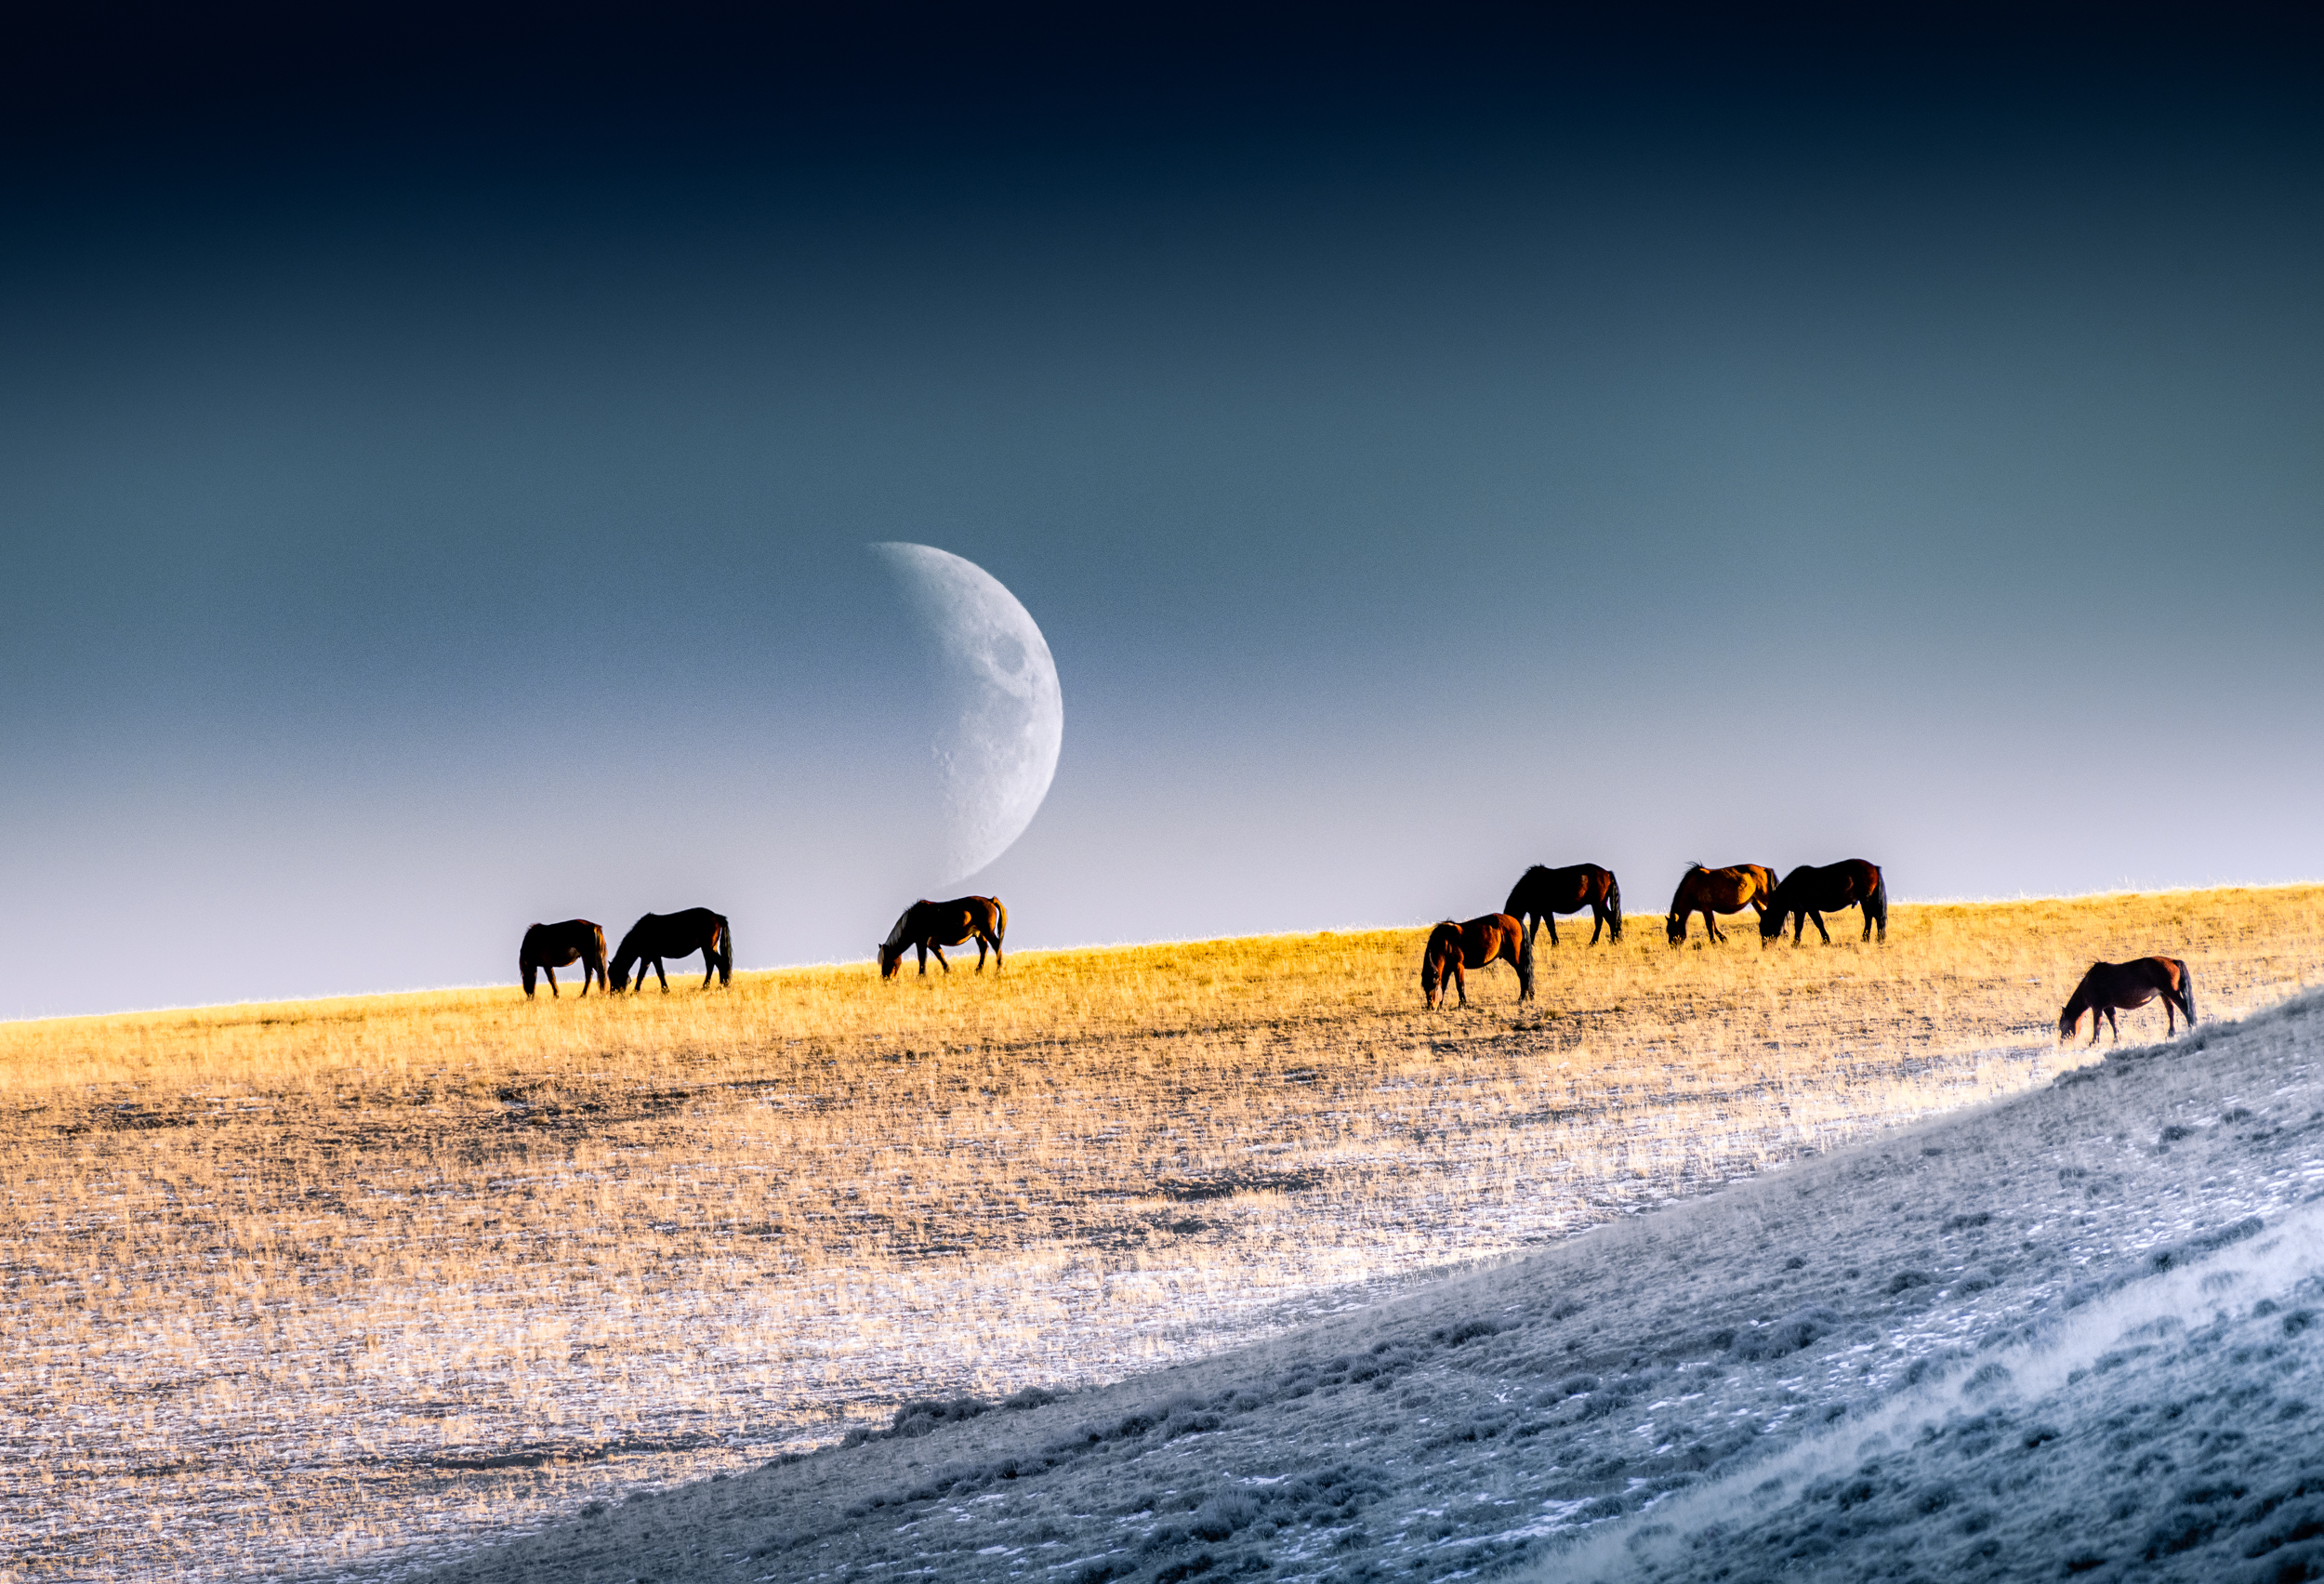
{"type": "Point", "coordinates": [2186, 990]}
{"type": "Point", "coordinates": [1525, 962]}
{"type": "Point", "coordinates": [1877, 903]}
{"type": "Point", "coordinates": [1613, 901]}
{"type": "Point", "coordinates": [1000, 921]}
{"type": "Point", "coordinates": [726, 951]}
{"type": "Point", "coordinates": [524, 959]}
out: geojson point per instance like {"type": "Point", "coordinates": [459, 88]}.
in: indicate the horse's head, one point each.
{"type": "Point", "coordinates": [891, 957]}
{"type": "Point", "coordinates": [1771, 924]}
{"type": "Point", "coordinates": [1675, 927]}
{"type": "Point", "coordinates": [618, 974]}
{"type": "Point", "coordinates": [1443, 942]}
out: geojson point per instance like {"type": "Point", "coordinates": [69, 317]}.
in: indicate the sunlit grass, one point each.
{"type": "Point", "coordinates": [278, 1279]}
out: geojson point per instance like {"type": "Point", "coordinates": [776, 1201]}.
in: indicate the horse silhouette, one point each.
{"type": "Point", "coordinates": [2109, 987]}
{"type": "Point", "coordinates": [1541, 895]}
{"type": "Point", "coordinates": [1480, 942]}
{"type": "Point", "coordinates": [1711, 892]}
{"type": "Point", "coordinates": [931, 926]}
{"type": "Point", "coordinates": [659, 935]}
{"type": "Point", "coordinates": [1810, 892]}
{"type": "Point", "coordinates": [548, 947]}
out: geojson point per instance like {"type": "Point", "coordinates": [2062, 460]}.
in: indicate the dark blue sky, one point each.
{"type": "Point", "coordinates": [435, 460]}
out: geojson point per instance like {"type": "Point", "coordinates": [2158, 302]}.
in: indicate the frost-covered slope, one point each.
{"type": "Point", "coordinates": [2067, 1336]}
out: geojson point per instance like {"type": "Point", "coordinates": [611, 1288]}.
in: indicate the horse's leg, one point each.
{"type": "Point", "coordinates": [1711, 928]}
{"type": "Point", "coordinates": [980, 954]}
{"type": "Point", "coordinates": [662, 973]}
{"type": "Point", "coordinates": [552, 980]}
{"type": "Point", "coordinates": [1819, 927]}
{"type": "Point", "coordinates": [938, 950]}
{"type": "Point", "coordinates": [921, 947]}
{"type": "Point", "coordinates": [1550, 920]}
{"type": "Point", "coordinates": [1461, 980]}
{"type": "Point", "coordinates": [1597, 922]}
{"type": "Point", "coordinates": [2114, 1025]}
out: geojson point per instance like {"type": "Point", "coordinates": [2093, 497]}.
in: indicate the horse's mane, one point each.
{"type": "Point", "coordinates": [1695, 863]}
{"type": "Point", "coordinates": [895, 936]}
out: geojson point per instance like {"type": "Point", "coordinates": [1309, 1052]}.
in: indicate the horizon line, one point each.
{"type": "Point", "coordinates": [1118, 945]}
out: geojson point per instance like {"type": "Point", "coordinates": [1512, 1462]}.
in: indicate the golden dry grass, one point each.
{"type": "Point", "coordinates": [283, 1283]}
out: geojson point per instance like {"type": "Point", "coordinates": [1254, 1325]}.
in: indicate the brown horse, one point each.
{"type": "Point", "coordinates": [1480, 942]}
{"type": "Point", "coordinates": [931, 926]}
{"type": "Point", "coordinates": [2112, 986]}
{"type": "Point", "coordinates": [1541, 895]}
{"type": "Point", "coordinates": [659, 935]}
{"type": "Point", "coordinates": [1811, 891]}
{"type": "Point", "coordinates": [1709, 892]}
{"type": "Point", "coordinates": [548, 947]}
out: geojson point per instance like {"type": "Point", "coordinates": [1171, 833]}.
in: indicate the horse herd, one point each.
{"type": "Point", "coordinates": [548, 947]}
{"type": "Point", "coordinates": [1540, 894]}
{"type": "Point", "coordinates": [926, 926]}
{"type": "Point", "coordinates": [1800, 897]}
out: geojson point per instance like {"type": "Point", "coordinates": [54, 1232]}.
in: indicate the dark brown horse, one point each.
{"type": "Point", "coordinates": [1541, 895]}
{"type": "Point", "coordinates": [1480, 942]}
{"type": "Point", "coordinates": [931, 926]}
{"type": "Point", "coordinates": [1811, 891]}
{"type": "Point", "coordinates": [1710, 891]}
{"type": "Point", "coordinates": [2112, 986]}
{"type": "Point", "coordinates": [548, 947]}
{"type": "Point", "coordinates": [659, 935]}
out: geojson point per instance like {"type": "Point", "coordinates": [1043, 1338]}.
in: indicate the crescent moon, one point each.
{"type": "Point", "coordinates": [996, 751]}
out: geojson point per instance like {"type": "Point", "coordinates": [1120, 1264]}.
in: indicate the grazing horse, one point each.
{"type": "Point", "coordinates": [1811, 891]}
{"type": "Point", "coordinates": [1480, 942]}
{"type": "Point", "coordinates": [659, 935]}
{"type": "Point", "coordinates": [1711, 892]}
{"type": "Point", "coordinates": [931, 926]}
{"type": "Point", "coordinates": [1541, 895]}
{"type": "Point", "coordinates": [548, 947]}
{"type": "Point", "coordinates": [2112, 987]}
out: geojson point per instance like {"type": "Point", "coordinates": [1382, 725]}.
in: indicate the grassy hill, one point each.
{"type": "Point", "coordinates": [295, 1282]}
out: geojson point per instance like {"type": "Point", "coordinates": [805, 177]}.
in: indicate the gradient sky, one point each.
{"type": "Point", "coordinates": [433, 489]}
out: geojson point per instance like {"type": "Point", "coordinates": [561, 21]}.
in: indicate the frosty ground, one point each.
{"type": "Point", "coordinates": [2071, 1334]}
